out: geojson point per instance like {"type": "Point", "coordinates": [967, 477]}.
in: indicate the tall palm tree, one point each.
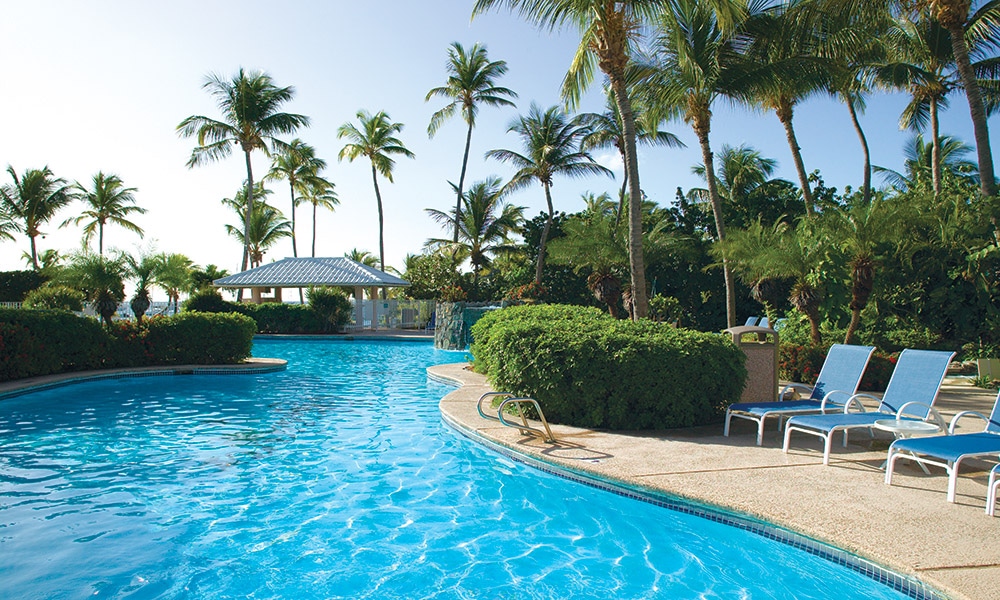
{"type": "Point", "coordinates": [376, 140]}
{"type": "Point", "coordinates": [471, 82]}
{"type": "Point", "coordinates": [486, 224]}
{"type": "Point", "coordinates": [551, 146]}
{"type": "Point", "coordinates": [609, 31]}
{"type": "Point", "coordinates": [367, 259]}
{"type": "Point", "coordinates": [250, 104]}
{"type": "Point", "coordinates": [606, 130]}
{"type": "Point", "coordinates": [32, 200]}
{"type": "Point", "coordinates": [743, 175]}
{"type": "Point", "coordinates": [203, 278]}
{"type": "Point", "coordinates": [101, 279]}
{"type": "Point", "coordinates": [173, 274]}
{"type": "Point", "coordinates": [321, 193]}
{"type": "Point", "coordinates": [956, 16]}
{"type": "Point", "coordinates": [785, 70]}
{"type": "Point", "coordinates": [696, 61]}
{"type": "Point", "coordinates": [297, 164]}
{"type": "Point", "coordinates": [107, 200]}
{"type": "Point", "coordinates": [267, 226]}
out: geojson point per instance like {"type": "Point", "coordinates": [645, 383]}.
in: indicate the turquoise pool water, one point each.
{"type": "Point", "coordinates": [336, 479]}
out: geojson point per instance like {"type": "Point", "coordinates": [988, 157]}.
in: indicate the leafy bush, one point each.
{"type": "Point", "coordinates": [41, 342]}
{"type": "Point", "coordinates": [331, 306]}
{"type": "Point", "coordinates": [15, 285]}
{"type": "Point", "coordinates": [200, 338]}
{"type": "Point", "coordinates": [209, 300]}
{"type": "Point", "coordinates": [589, 370]}
{"type": "Point", "coordinates": [55, 297]}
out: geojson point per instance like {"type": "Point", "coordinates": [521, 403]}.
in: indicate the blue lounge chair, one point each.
{"type": "Point", "coordinates": [949, 451]}
{"type": "Point", "coordinates": [751, 321]}
{"type": "Point", "coordinates": [837, 381]}
{"type": "Point", "coordinates": [764, 322]}
{"type": "Point", "coordinates": [911, 393]}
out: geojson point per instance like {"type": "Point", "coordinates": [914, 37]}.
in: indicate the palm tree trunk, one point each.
{"type": "Point", "coordinates": [621, 195]}
{"type": "Point", "coordinates": [381, 224]}
{"type": "Point", "coordinates": [295, 249]}
{"type": "Point", "coordinates": [314, 232]}
{"type": "Point", "coordinates": [637, 267]}
{"type": "Point", "coordinates": [540, 263]}
{"type": "Point", "coordinates": [976, 108]}
{"type": "Point", "coordinates": [246, 222]}
{"type": "Point", "coordinates": [100, 238]}
{"type": "Point", "coordinates": [784, 112]}
{"type": "Point", "coordinates": [461, 182]}
{"type": "Point", "coordinates": [34, 252]}
{"type": "Point", "coordinates": [935, 148]}
{"type": "Point", "coordinates": [702, 127]}
{"type": "Point", "coordinates": [866, 186]}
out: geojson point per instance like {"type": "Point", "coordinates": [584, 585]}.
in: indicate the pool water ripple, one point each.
{"type": "Point", "coordinates": [335, 479]}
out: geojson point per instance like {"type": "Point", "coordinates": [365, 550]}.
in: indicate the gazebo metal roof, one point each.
{"type": "Point", "coordinates": [304, 272]}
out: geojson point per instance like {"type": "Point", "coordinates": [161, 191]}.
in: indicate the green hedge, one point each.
{"type": "Point", "coordinates": [42, 342]}
{"type": "Point", "coordinates": [589, 370]}
{"type": "Point", "coordinates": [327, 311]}
{"type": "Point", "coordinates": [15, 285]}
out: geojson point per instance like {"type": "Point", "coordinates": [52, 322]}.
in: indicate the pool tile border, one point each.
{"type": "Point", "coordinates": [904, 584]}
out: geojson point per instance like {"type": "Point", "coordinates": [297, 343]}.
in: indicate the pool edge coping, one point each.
{"type": "Point", "coordinates": [909, 584]}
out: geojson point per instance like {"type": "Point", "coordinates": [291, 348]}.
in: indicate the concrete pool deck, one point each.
{"type": "Point", "coordinates": [908, 526]}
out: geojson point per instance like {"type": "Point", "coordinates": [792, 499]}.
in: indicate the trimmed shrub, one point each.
{"type": "Point", "coordinates": [21, 353]}
{"type": "Point", "coordinates": [273, 317]}
{"type": "Point", "coordinates": [55, 297]}
{"type": "Point", "coordinates": [200, 338]}
{"type": "Point", "coordinates": [210, 301]}
{"type": "Point", "coordinates": [331, 306]}
{"type": "Point", "coordinates": [71, 343]}
{"type": "Point", "coordinates": [589, 370]}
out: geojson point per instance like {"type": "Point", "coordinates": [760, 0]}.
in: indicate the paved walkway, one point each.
{"type": "Point", "coordinates": [907, 526]}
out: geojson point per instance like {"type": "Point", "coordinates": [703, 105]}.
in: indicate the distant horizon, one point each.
{"type": "Point", "coordinates": [102, 87]}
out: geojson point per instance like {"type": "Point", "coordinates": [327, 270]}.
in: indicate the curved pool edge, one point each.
{"type": "Point", "coordinates": [458, 411]}
{"type": "Point", "coordinates": [251, 366]}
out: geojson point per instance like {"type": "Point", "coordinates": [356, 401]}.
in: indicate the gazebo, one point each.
{"type": "Point", "coordinates": [306, 272]}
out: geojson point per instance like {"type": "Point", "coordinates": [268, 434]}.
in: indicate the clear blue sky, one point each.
{"type": "Point", "coordinates": [101, 85]}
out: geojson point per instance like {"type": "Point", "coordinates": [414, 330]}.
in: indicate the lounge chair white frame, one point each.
{"type": "Point", "coordinates": [991, 490]}
{"type": "Point", "coordinates": [951, 468]}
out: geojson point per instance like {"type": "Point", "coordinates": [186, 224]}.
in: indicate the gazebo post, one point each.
{"type": "Point", "coordinates": [359, 307]}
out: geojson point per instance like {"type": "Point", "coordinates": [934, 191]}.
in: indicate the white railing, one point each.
{"type": "Point", "coordinates": [10, 305]}
{"type": "Point", "coordinates": [395, 314]}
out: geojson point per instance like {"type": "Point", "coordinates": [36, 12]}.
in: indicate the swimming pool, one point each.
{"type": "Point", "coordinates": [336, 478]}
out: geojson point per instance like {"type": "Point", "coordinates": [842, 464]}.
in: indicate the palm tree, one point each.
{"type": "Point", "coordinates": [956, 16]}
{"type": "Point", "coordinates": [743, 176]}
{"type": "Point", "coordinates": [143, 269]}
{"type": "Point", "coordinates": [551, 145]}
{"type": "Point", "coordinates": [101, 279]}
{"type": "Point", "coordinates": [203, 279]}
{"type": "Point", "coordinates": [250, 104]}
{"type": "Point", "coordinates": [32, 200]}
{"type": "Point", "coordinates": [320, 193]}
{"type": "Point", "coordinates": [609, 32]}
{"type": "Point", "coordinates": [486, 224]}
{"type": "Point", "coordinates": [367, 259]}
{"type": "Point", "coordinates": [267, 226]}
{"type": "Point", "coordinates": [297, 164]}
{"type": "Point", "coordinates": [696, 62]}
{"type": "Point", "coordinates": [592, 243]}
{"type": "Point", "coordinates": [865, 232]}
{"type": "Point", "coordinates": [173, 274]}
{"type": "Point", "coordinates": [785, 71]}
{"type": "Point", "coordinates": [606, 130]}
{"type": "Point", "coordinates": [108, 200]}
{"type": "Point", "coordinates": [375, 140]}
{"type": "Point", "coordinates": [918, 163]}
{"type": "Point", "coordinates": [471, 82]}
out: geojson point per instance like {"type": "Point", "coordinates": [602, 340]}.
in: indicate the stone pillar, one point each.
{"type": "Point", "coordinates": [359, 307]}
{"type": "Point", "coordinates": [449, 327]}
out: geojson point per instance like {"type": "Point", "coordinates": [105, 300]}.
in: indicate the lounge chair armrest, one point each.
{"type": "Point", "coordinates": [854, 400]}
{"type": "Point", "coordinates": [799, 387]}
{"type": "Point", "coordinates": [829, 396]}
{"type": "Point", "coordinates": [932, 413]}
{"type": "Point", "coordinates": [965, 413]}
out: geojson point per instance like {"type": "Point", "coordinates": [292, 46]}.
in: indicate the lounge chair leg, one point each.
{"type": "Point", "coordinates": [760, 432]}
{"type": "Point", "coordinates": [890, 464]}
{"type": "Point", "coordinates": [827, 445]}
{"type": "Point", "coordinates": [845, 438]}
{"type": "Point", "coordinates": [991, 491]}
{"type": "Point", "coordinates": [788, 439]}
{"type": "Point", "coordinates": [952, 480]}
{"type": "Point", "coordinates": [725, 431]}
